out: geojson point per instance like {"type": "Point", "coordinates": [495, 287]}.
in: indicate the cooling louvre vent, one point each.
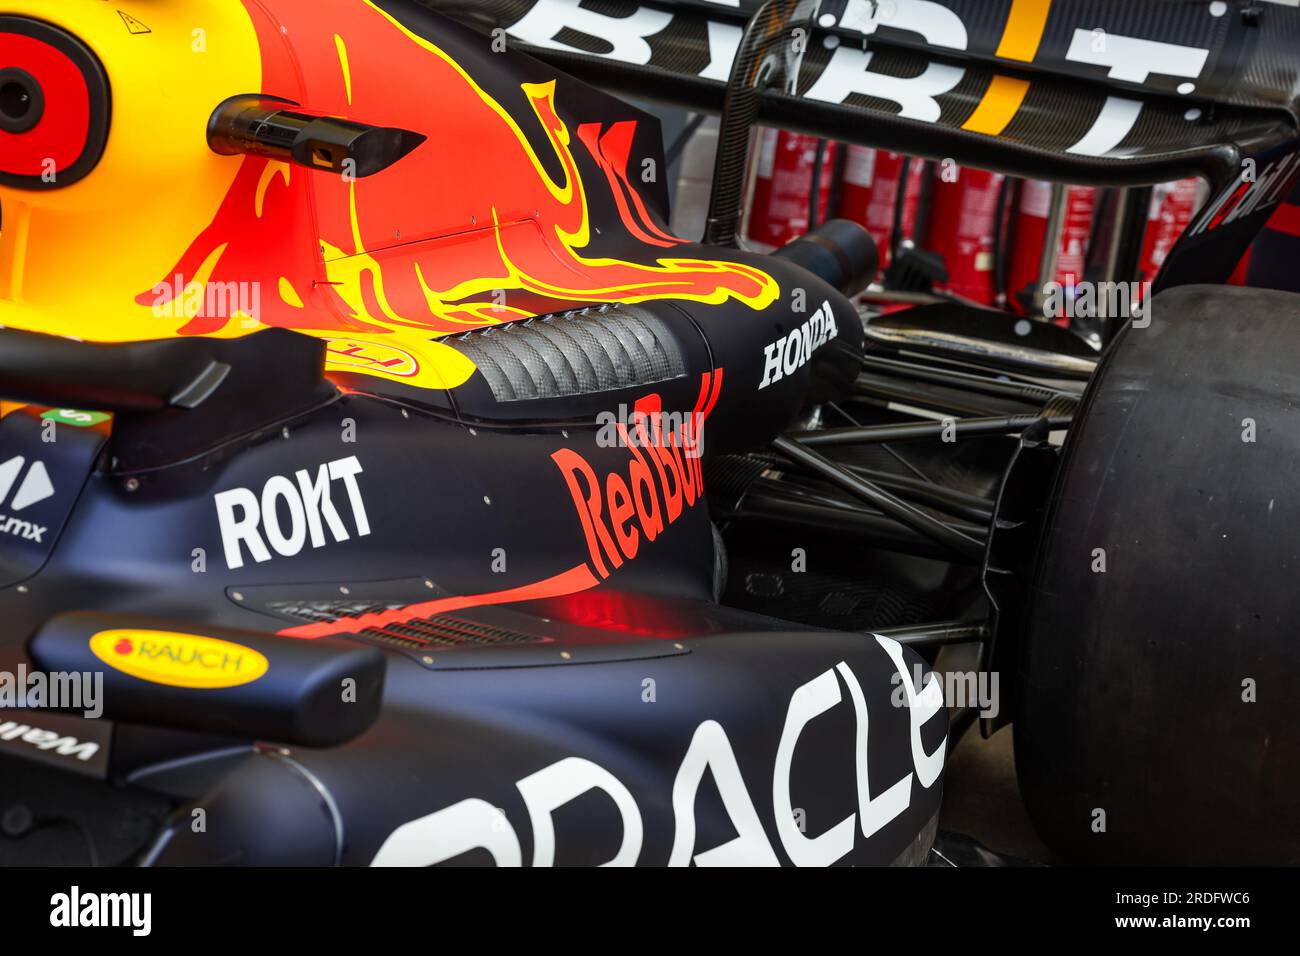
{"type": "Point", "coordinates": [441, 630]}
{"type": "Point", "coordinates": [573, 353]}
{"type": "Point", "coordinates": [316, 612]}
{"type": "Point", "coordinates": [444, 631]}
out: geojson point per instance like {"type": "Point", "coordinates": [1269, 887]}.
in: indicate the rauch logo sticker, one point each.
{"type": "Point", "coordinates": [178, 660]}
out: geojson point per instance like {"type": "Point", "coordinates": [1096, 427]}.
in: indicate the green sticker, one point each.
{"type": "Point", "coordinates": [76, 417]}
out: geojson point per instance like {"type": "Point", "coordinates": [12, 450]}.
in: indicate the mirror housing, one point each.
{"type": "Point", "coordinates": [184, 676]}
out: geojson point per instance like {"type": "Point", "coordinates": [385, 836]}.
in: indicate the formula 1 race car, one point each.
{"type": "Point", "coordinates": [383, 482]}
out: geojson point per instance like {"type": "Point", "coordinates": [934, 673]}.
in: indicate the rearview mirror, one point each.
{"type": "Point", "coordinates": [185, 676]}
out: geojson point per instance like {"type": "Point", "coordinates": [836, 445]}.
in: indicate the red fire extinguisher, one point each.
{"type": "Point", "coordinates": [783, 183]}
{"type": "Point", "coordinates": [1029, 241]}
{"type": "Point", "coordinates": [1172, 207]}
{"type": "Point", "coordinates": [869, 194]}
{"type": "Point", "coordinates": [964, 211]}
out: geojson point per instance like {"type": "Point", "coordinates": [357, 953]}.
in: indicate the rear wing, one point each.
{"type": "Point", "coordinates": [1096, 91]}
{"type": "Point", "coordinates": [1102, 92]}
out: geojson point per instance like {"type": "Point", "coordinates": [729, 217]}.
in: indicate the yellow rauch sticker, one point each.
{"type": "Point", "coordinates": [179, 660]}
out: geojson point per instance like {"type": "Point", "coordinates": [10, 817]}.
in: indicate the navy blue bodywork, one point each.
{"type": "Point", "coordinates": [569, 698]}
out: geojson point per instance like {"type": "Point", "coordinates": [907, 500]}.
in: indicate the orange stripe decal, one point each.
{"type": "Point", "coordinates": [1020, 39]}
{"type": "Point", "coordinates": [998, 107]}
{"type": "Point", "coordinates": [575, 579]}
{"type": "Point", "coordinates": [1024, 29]}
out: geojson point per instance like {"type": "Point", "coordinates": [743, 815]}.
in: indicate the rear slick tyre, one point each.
{"type": "Point", "coordinates": [1157, 699]}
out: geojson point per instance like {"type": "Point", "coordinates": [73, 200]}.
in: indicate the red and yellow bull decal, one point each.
{"type": "Point", "coordinates": [486, 221]}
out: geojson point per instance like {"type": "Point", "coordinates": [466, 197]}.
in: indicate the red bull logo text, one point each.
{"type": "Point", "coordinates": [661, 480]}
